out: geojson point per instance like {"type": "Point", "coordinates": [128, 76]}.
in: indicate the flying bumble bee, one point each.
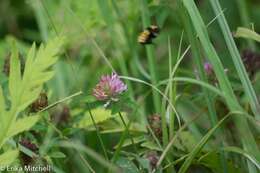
{"type": "Point", "coordinates": [148, 34]}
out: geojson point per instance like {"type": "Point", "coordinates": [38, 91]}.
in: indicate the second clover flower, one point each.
{"type": "Point", "coordinates": [208, 68]}
{"type": "Point", "coordinates": [109, 88]}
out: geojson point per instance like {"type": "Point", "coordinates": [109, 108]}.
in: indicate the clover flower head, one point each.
{"type": "Point", "coordinates": [208, 68]}
{"type": "Point", "coordinates": [109, 87]}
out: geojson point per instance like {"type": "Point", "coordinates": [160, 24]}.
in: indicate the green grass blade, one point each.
{"type": "Point", "coordinates": [246, 136]}
{"type": "Point", "coordinates": [200, 145]}
{"type": "Point", "coordinates": [79, 147]}
{"type": "Point", "coordinates": [170, 144]}
{"type": "Point", "coordinates": [205, 85]}
{"type": "Point", "coordinates": [247, 33]}
{"type": "Point", "coordinates": [237, 59]}
{"type": "Point", "coordinates": [244, 153]}
{"type": "Point", "coordinates": [150, 54]}
{"type": "Point", "coordinates": [8, 157]}
{"type": "Point", "coordinates": [245, 19]}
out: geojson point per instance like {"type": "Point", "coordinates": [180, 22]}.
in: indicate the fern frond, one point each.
{"type": "Point", "coordinates": [21, 125]}
{"type": "Point", "coordinates": [25, 89]}
{"type": "Point", "coordinates": [15, 73]}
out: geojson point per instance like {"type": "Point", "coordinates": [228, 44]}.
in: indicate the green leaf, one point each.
{"type": "Point", "coordinates": [185, 141]}
{"type": "Point", "coordinates": [8, 157]}
{"type": "Point", "coordinates": [27, 151]}
{"type": "Point", "coordinates": [144, 162]}
{"type": "Point", "coordinates": [22, 125]}
{"type": "Point", "coordinates": [109, 123]}
{"type": "Point", "coordinates": [127, 165]}
{"type": "Point", "coordinates": [213, 160]}
{"type": "Point", "coordinates": [247, 33]}
{"type": "Point", "coordinates": [37, 70]}
{"type": "Point", "coordinates": [15, 73]}
{"type": "Point", "coordinates": [115, 125]}
{"type": "Point", "coordinates": [151, 145]}
{"type": "Point", "coordinates": [24, 91]}
{"type": "Point", "coordinates": [57, 154]}
{"type": "Point", "coordinates": [99, 114]}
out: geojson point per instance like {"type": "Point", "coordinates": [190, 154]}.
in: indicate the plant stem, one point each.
{"type": "Point", "coordinates": [150, 55]}
{"type": "Point", "coordinates": [121, 142]}
{"type": "Point", "coordinates": [98, 133]}
{"type": "Point", "coordinates": [109, 19]}
{"type": "Point", "coordinates": [127, 129]}
{"type": "Point", "coordinates": [172, 92]}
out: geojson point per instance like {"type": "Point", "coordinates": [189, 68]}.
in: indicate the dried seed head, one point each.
{"type": "Point", "coordinates": [40, 103]}
{"type": "Point", "coordinates": [25, 159]}
{"type": "Point", "coordinates": [62, 115]}
{"type": "Point", "coordinates": [6, 67]}
{"type": "Point", "coordinates": [153, 158]}
{"type": "Point", "coordinates": [251, 61]}
{"type": "Point", "coordinates": [155, 123]}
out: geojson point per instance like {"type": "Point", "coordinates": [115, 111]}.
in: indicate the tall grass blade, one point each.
{"type": "Point", "coordinates": [245, 19]}
{"type": "Point", "coordinates": [150, 54]}
{"type": "Point", "coordinates": [248, 88]}
{"type": "Point", "coordinates": [247, 33]}
{"type": "Point", "coordinates": [246, 136]}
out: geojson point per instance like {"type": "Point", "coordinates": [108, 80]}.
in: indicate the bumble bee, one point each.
{"type": "Point", "coordinates": [148, 34]}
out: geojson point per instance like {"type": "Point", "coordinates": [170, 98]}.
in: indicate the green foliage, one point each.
{"type": "Point", "coordinates": [213, 160]}
{"type": "Point", "coordinates": [8, 157]}
{"type": "Point", "coordinates": [165, 80]}
{"type": "Point", "coordinates": [247, 140]}
{"type": "Point", "coordinates": [100, 115]}
{"type": "Point", "coordinates": [127, 165]}
{"type": "Point", "coordinates": [247, 33]}
{"type": "Point", "coordinates": [24, 89]}
{"type": "Point", "coordinates": [199, 146]}
{"type": "Point", "coordinates": [22, 124]}
{"type": "Point", "coordinates": [238, 63]}
{"type": "Point", "coordinates": [107, 121]}
{"type": "Point", "coordinates": [57, 154]}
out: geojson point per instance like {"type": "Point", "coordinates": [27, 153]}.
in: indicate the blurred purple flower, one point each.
{"type": "Point", "coordinates": [109, 87]}
{"type": "Point", "coordinates": [251, 61]}
{"type": "Point", "coordinates": [208, 68]}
